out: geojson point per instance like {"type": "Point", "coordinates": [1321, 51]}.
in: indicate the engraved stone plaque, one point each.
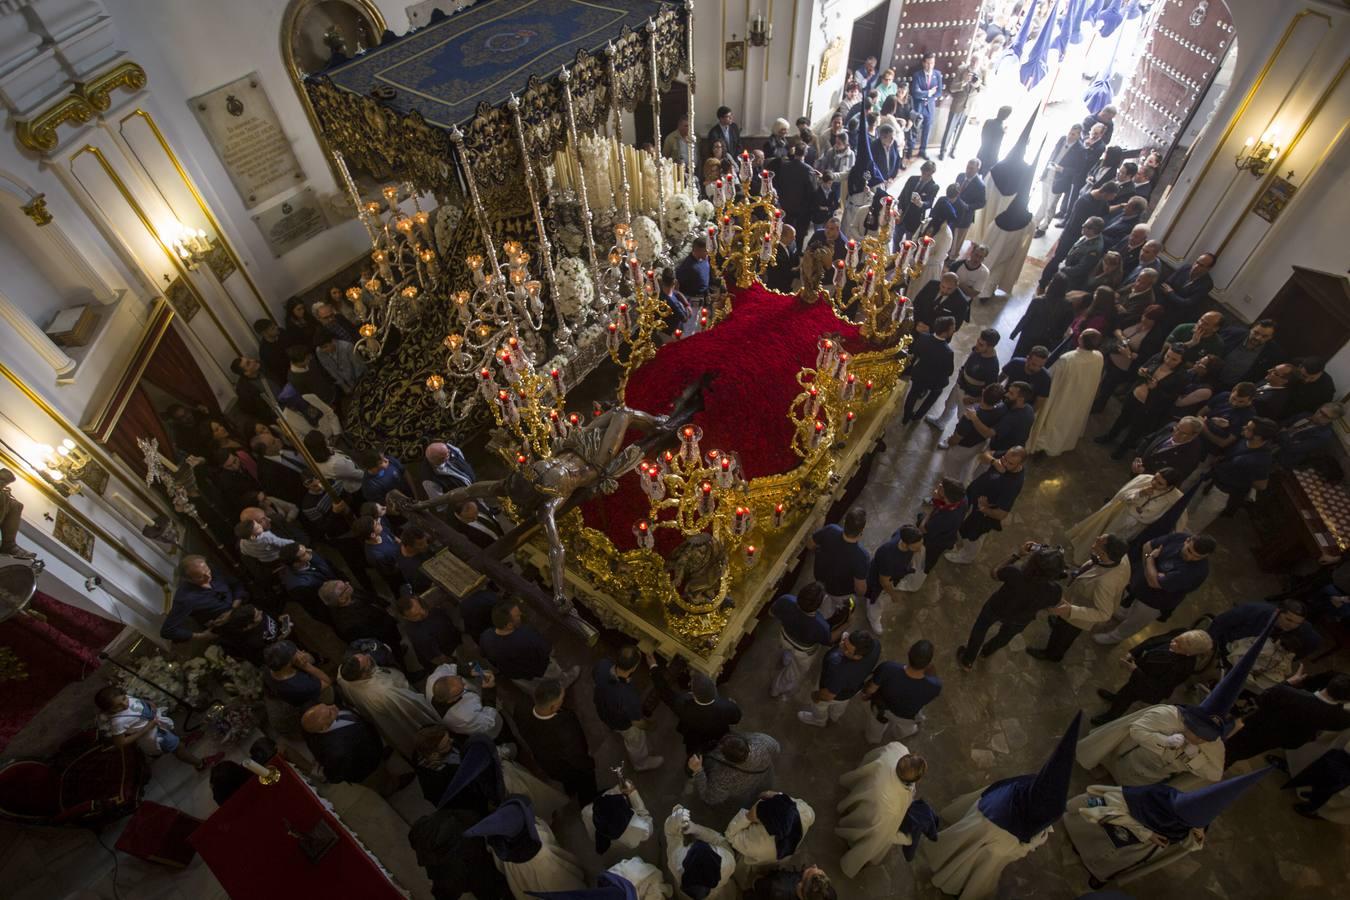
{"type": "Point", "coordinates": [291, 222]}
{"type": "Point", "coordinates": [242, 126]}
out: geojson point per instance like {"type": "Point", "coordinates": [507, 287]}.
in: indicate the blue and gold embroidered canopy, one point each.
{"type": "Point", "coordinates": [485, 52]}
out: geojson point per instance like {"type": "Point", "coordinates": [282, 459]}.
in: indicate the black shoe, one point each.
{"type": "Point", "coordinates": [1095, 883]}
{"type": "Point", "coordinates": [1100, 720]}
{"type": "Point", "coordinates": [1307, 810]}
{"type": "Point", "coordinates": [1040, 232]}
{"type": "Point", "coordinates": [1103, 439]}
{"type": "Point", "coordinates": [987, 651]}
{"type": "Point", "coordinates": [1108, 696]}
{"type": "Point", "coordinates": [1278, 762]}
{"type": "Point", "coordinates": [961, 658]}
{"type": "Point", "coordinates": [1038, 653]}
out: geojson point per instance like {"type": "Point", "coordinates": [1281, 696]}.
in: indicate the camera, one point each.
{"type": "Point", "coordinates": [93, 583]}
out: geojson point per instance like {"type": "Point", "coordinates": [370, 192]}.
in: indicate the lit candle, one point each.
{"type": "Point", "coordinates": [852, 258]}
{"type": "Point", "coordinates": [868, 278]}
{"type": "Point", "coordinates": [767, 250]}
{"type": "Point", "coordinates": [706, 501]}
{"type": "Point", "coordinates": [256, 768]}
{"type": "Point", "coordinates": [849, 418]}
{"type": "Point", "coordinates": [557, 426]}
{"type": "Point", "coordinates": [812, 401]}
{"type": "Point", "coordinates": [741, 521]}
{"type": "Point", "coordinates": [817, 433]}
{"type": "Point", "coordinates": [726, 476]}
{"type": "Point", "coordinates": [850, 386]}
{"type": "Point", "coordinates": [690, 435]}
{"type": "Point", "coordinates": [825, 351]}
{"type": "Point", "coordinates": [679, 333]}
{"type": "Point", "coordinates": [573, 420]}
{"type": "Point", "coordinates": [555, 377]}
{"type": "Point", "coordinates": [839, 276]}
{"type": "Point", "coordinates": [778, 515]}
{"type": "Point", "coordinates": [522, 458]}
{"type": "Point", "coordinates": [507, 401]}
{"type": "Point", "coordinates": [751, 556]}
{"type": "Point", "coordinates": [423, 220]}
{"type": "Point", "coordinates": [840, 365]}
{"type": "Point", "coordinates": [625, 322]}
{"type": "Point", "coordinates": [612, 339]}
{"type": "Point", "coordinates": [381, 260]}
{"type": "Point", "coordinates": [867, 390]}
{"type": "Point", "coordinates": [391, 196]}
{"type": "Point", "coordinates": [642, 531]}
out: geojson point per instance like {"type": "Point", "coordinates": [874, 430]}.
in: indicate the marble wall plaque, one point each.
{"type": "Point", "coordinates": [291, 222]}
{"type": "Point", "coordinates": [242, 126]}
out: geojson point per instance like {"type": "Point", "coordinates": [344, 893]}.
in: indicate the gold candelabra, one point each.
{"type": "Point", "coordinates": [826, 410]}
{"type": "Point", "coordinates": [527, 403]}
{"type": "Point", "coordinates": [403, 258]}
{"type": "Point", "coordinates": [635, 321]}
{"type": "Point", "coordinates": [747, 232]}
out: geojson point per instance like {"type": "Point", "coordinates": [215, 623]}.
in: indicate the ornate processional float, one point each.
{"type": "Point", "coordinates": [672, 512]}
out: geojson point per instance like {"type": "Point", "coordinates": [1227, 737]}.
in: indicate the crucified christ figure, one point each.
{"type": "Point", "coordinates": [591, 457]}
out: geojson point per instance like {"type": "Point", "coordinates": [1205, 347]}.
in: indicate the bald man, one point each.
{"type": "Point", "coordinates": [442, 468]}
{"type": "Point", "coordinates": [346, 745]}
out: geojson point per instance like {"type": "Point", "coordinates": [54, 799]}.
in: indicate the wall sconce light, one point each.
{"type": "Point", "coordinates": [761, 32]}
{"type": "Point", "coordinates": [1256, 156]}
{"type": "Point", "coordinates": [190, 244]}
{"type": "Point", "coordinates": [62, 467]}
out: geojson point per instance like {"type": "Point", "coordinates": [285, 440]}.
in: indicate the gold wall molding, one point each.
{"type": "Point", "coordinates": [36, 209]}
{"type": "Point", "coordinates": [155, 503]}
{"type": "Point", "coordinates": [225, 243]}
{"type": "Point", "coordinates": [84, 102]}
{"type": "Point", "coordinates": [1232, 126]}
{"type": "Point", "coordinates": [296, 9]}
{"type": "Point", "coordinates": [104, 422]}
{"type": "Point", "coordinates": [20, 468]}
{"type": "Point", "coordinates": [1274, 170]}
{"type": "Point", "coordinates": [140, 213]}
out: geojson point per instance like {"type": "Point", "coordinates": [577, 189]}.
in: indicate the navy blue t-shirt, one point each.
{"type": "Point", "coordinates": [890, 561]}
{"type": "Point", "coordinates": [1242, 466]}
{"type": "Point", "coordinates": [1177, 576]}
{"type": "Point", "coordinates": [1013, 429]}
{"type": "Point", "coordinates": [965, 434]}
{"type": "Point", "coordinates": [844, 677]}
{"type": "Point", "coordinates": [301, 689]}
{"type": "Point", "coordinates": [941, 527]}
{"type": "Point", "coordinates": [1016, 370]}
{"type": "Point", "coordinates": [1221, 407]}
{"type": "Point", "coordinates": [1000, 489]}
{"type": "Point", "coordinates": [802, 628]}
{"type": "Point", "coordinates": [901, 695]}
{"type": "Point", "coordinates": [432, 637]}
{"type": "Point", "coordinates": [838, 562]}
{"type": "Point", "coordinates": [521, 654]}
{"type": "Point", "coordinates": [983, 369]}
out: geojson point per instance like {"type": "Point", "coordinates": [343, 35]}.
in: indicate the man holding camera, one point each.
{"type": "Point", "coordinates": [1030, 583]}
{"type": "Point", "coordinates": [1090, 598]}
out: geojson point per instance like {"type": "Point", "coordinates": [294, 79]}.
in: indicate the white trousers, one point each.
{"type": "Point", "coordinates": [824, 711]}
{"type": "Point", "coordinates": [957, 461]}
{"type": "Point", "coordinates": [795, 664]}
{"type": "Point", "coordinates": [875, 730]}
{"type": "Point", "coordinates": [966, 552]}
{"type": "Point", "coordinates": [1205, 508]}
{"type": "Point", "coordinates": [1138, 617]}
{"type": "Point", "coordinates": [635, 742]}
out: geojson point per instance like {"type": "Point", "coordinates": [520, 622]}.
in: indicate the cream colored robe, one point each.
{"type": "Point", "coordinates": [1124, 515]}
{"type": "Point", "coordinates": [396, 710]}
{"type": "Point", "coordinates": [1063, 417]}
{"type": "Point", "coordinates": [551, 869]}
{"type": "Point", "coordinates": [1007, 255]}
{"type": "Point", "coordinates": [871, 813]}
{"type": "Point", "coordinates": [679, 829]}
{"type": "Point", "coordinates": [644, 877]}
{"type": "Point", "coordinates": [970, 855]}
{"type": "Point", "coordinates": [1085, 827]}
{"type": "Point", "coordinates": [1132, 749]}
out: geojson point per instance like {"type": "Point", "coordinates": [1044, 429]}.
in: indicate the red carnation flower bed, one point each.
{"type": "Point", "coordinates": [755, 354]}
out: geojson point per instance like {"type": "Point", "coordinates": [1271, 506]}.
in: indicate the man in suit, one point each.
{"type": "Point", "coordinates": [1082, 258]}
{"type": "Point", "coordinates": [941, 296]}
{"type": "Point", "coordinates": [1119, 227]}
{"type": "Point", "coordinates": [970, 197]}
{"type": "Point", "coordinates": [914, 200]}
{"type": "Point", "coordinates": [1173, 446]}
{"type": "Point", "coordinates": [727, 131]}
{"type": "Point", "coordinates": [1094, 204]}
{"type": "Point", "coordinates": [925, 87]}
{"type": "Point", "coordinates": [1290, 715]}
{"type": "Point", "coordinates": [1186, 290]}
{"type": "Point", "coordinates": [799, 192]}
{"type": "Point", "coordinates": [354, 617]}
{"type": "Point", "coordinates": [1091, 596]}
{"type": "Point", "coordinates": [931, 367]}
{"type": "Point", "coordinates": [1107, 119]}
{"type": "Point", "coordinates": [255, 395]}
{"type": "Point", "coordinates": [702, 717]}
{"type": "Point", "coordinates": [558, 742]}
{"type": "Point", "coordinates": [281, 470]}
{"type": "Point", "coordinates": [347, 746]}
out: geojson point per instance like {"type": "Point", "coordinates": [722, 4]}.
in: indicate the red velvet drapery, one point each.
{"type": "Point", "coordinates": [174, 370]}
{"type": "Point", "coordinates": [138, 419]}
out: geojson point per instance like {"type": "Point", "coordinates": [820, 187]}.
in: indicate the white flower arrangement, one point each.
{"type": "Point", "coordinates": [650, 243]}
{"type": "Point", "coordinates": [192, 680]}
{"type": "Point", "coordinates": [594, 152]}
{"type": "Point", "coordinates": [576, 291]}
{"type": "Point", "coordinates": [680, 218]}
{"type": "Point", "coordinates": [705, 210]}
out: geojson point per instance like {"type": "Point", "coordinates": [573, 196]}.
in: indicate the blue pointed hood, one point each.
{"type": "Point", "coordinates": [1173, 813]}
{"type": "Point", "coordinates": [1026, 805]}
{"type": "Point", "coordinates": [478, 781]}
{"type": "Point", "coordinates": [607, 887]}
{"type": "Point", "coordinates": [702, 870]}
{"type": "Point", "coordinates": [782, 820]}
{"type": "Point", "coordinates": [864, 172]}
{"type": "Point", "coordinates": [1019, 43]}
{"type": "Point", "coordinates": [1111, 15]}
{"type": "Point", "coordinates": [1037, 64]}
{"type": "Point", "coordinates": [1068, 27]}
{"type": "Point", "coordinates": [610, 814]}
{"type": "Point", "coordinates": [1208, 719]}
{"type": "Point", "coordinates": [510, 830]}
{"type": "Point", "coordinates": [1100, 93]}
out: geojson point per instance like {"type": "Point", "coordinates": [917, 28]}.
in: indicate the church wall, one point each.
{"type": "Point", "coordinates": [1290, 75]}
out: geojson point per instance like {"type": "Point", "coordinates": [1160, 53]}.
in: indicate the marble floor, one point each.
{"type": "Point", "coordinates": [997, 721]}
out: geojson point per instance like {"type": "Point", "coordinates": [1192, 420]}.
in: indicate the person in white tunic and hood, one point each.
{"type": "Point", "coordinates": [1122, 834]}
{"type": "Point", "coordinates": [701, 862]}
{"type": "Point", "coordinates": [768, 833]}
{"type": "Point", "coordinates": [1179, 744]}
{"type": "Point", "coordinates": [618, 817]}
{"type": "Point", "coordinates": [999, 825]}
{"type": "Point", "coordinates": [383, 696]}
{"type": "Point", "coordinates": [526, 851]}
{"type": "Point", "coordinates": [631, 879]}
{"type": "Point", "coordinates": [880, 792]}
{"type": "Point", "coordinates": [1063, 418]}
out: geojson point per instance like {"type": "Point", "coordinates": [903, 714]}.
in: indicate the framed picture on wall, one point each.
{"type": "Point", "coordinates": [735, 56]}
{"type": "Point", "coordinates": [1275, 198]}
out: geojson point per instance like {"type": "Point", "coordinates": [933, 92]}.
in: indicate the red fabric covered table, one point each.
{"type": "Point", "coordinates": [159, 834]}
{"type": "Point", "coordinates": [756, 353]}
{"type": "Point", "coordinates": [249, 846]}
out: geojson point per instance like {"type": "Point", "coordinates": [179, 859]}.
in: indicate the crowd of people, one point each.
{"type": "Point", "coordinates": [385, 682]}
